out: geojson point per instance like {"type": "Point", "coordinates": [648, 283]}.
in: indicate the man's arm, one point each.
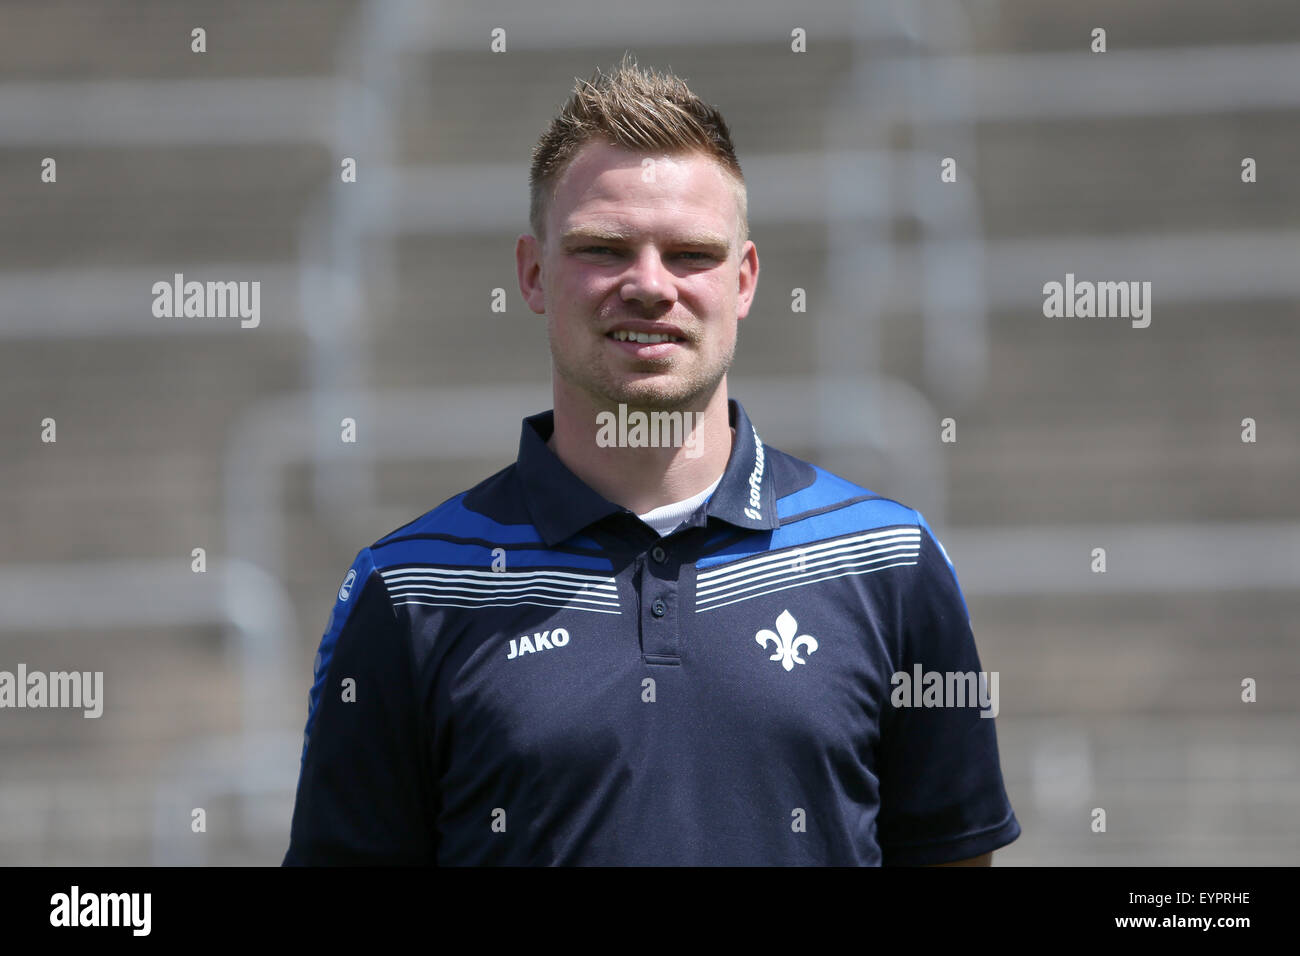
{"type": "Point", "coordinates": [942, 798]}
{"type": "Point", "coordinates": [364, 790]}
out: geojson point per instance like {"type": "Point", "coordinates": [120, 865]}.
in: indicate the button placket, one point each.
{"type": "Point", "coordinates": [659, 620]}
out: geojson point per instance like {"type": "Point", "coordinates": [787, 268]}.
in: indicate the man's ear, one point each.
{"type": "Point", "coordinates": [529, 256]}
{"type": "Point", "coordinates": [748, 278]}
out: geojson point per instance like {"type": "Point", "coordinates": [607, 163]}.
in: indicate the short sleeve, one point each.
{"type": "Point", "coordinates": [942, 796]}
{"type": "Point", "coordinates": [364, 788]}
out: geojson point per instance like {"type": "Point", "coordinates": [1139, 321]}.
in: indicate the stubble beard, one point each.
{"type": "Point", "coordinates": [607, 389]}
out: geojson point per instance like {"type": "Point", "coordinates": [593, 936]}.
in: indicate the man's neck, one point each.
{"type": "Point", "coordinates": [636, 475]}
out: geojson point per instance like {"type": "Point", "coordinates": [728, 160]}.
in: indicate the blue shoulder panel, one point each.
{"type": "Point", "coordinates": [346, 601]}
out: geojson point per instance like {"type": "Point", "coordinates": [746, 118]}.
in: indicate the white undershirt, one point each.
{"type": "Point", "coordinates": [666, 518]}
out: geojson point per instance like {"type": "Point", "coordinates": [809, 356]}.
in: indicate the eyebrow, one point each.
{"type": "Point", "coordinates": [606, 234]}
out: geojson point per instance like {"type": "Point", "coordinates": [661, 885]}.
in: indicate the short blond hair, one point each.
{"type": "Point", "coordinates": [637, 110]}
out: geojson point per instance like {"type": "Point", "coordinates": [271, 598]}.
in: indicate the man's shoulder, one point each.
{"type": "Point", "coordinates": [479, 513]}
{"type": "Point", "coordinates": [832, 532]}
{"type": "Point", "coordinates": [834, 520]}
{"type": "Point", "coordinates": [810, 494]}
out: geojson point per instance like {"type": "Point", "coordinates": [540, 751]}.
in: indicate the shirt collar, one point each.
{"type": "Point", "coordinates": [561, 504]}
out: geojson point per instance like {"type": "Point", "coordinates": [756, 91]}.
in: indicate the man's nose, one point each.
{"type": "Point", "coordinates": [647, 280]}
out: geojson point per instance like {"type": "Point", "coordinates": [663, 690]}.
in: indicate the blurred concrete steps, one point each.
{"type": "Point", "coordinates": [145, 206]}
{"type": "Point", "coordinates": [141, 38]}
{"type": "Point", "coordinates": [1028, 26]}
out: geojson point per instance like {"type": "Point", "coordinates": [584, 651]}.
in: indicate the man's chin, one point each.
{"type": "Point", "coordinates": [662, 397]}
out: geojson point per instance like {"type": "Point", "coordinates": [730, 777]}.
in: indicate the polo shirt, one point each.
{"type": "Point", "coordinates": [529, 674]}
{"type": "Point", "coordinates": [666, 518]}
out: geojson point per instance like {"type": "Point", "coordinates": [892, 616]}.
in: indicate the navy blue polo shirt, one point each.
{"type": "Point", "coordinates": [529, 674]}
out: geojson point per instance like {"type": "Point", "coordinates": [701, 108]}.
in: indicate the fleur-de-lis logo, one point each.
{"type": "Point", "coordinates": [787, 645]}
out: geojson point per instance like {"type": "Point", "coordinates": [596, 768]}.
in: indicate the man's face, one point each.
{"type": "Point", "coordinates": [646, 244]}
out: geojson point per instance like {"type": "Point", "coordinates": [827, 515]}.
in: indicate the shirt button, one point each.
{"type": "Point", "coordinates": [658, 553]}
{"type": "Point", "coordinates": [659, 609]}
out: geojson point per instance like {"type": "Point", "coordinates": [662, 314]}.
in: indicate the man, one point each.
{"type": "Point", "coordinates": [637, 648]}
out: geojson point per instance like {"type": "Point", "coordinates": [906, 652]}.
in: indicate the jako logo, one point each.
{"type": "Point", "coordinates": [541, 641]}
{"type": "Point", "coordinates": [346, 587]}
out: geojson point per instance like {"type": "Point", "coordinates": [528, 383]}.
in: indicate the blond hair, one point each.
{"type": "Point", "coordinates": [636, 110]}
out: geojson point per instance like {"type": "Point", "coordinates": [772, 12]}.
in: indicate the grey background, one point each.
{"type": "Point", "coordinates": [1119, 691]}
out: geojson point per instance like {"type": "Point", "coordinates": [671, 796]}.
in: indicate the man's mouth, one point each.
{"type": "Point", "coordinates": [643, 338]}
